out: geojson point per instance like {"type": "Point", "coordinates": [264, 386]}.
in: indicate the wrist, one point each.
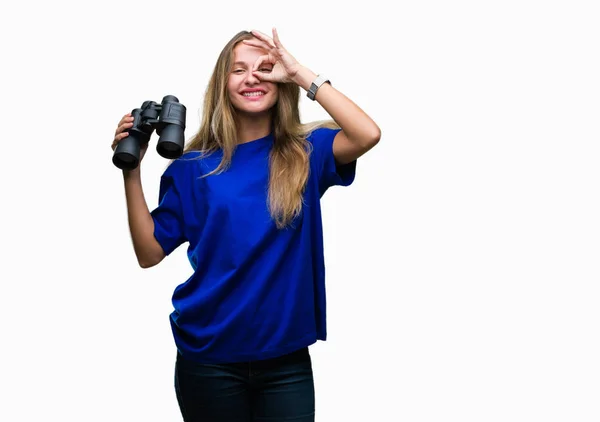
{"type": "Point", "coordinates": [133, 174]}
{"type": "Point", "coordinates": [304, 77]}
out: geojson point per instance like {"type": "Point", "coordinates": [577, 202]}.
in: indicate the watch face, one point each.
{"type": "Point", "coordinates": [319, 80]}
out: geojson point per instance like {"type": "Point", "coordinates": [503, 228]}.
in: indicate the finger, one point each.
{"type": "Point", "coordinates": [125, 119]}
{"type": "Point", "coordinates": [121, 136]}
{"type": "Point", "coordinates": [263, 37]}
{"type": "Point", "coordinates": [276, 39]}
{"type": "Point", "coordinates": [263, 76]}
{"type": "Point", "coordinates": [259, 44]}
{"type": "Point", "coordinates": [123, 126]}
{"type": "Point", "coordinates": [118, 139]}
{"type": "Point", "coordinates": [258, 63]}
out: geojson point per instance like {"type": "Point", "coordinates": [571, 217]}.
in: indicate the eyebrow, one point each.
{"type": "Point", "coordinates": [245, 64]}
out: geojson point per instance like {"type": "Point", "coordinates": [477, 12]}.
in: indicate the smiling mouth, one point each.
{"type": "Point", "coordinates": [253, 94]}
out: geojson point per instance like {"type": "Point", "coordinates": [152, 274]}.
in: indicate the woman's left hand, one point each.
{"type": "Point", "coordinates": [285, 66]}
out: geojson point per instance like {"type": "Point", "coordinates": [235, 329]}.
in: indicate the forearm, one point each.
{"type": "Point", "coordinates": [355, 123]}
{"type": "Point", "coordinates": [141, 225]}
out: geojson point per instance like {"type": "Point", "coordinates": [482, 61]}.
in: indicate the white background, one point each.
{"type": "Point", "coordinates": [462, 265]}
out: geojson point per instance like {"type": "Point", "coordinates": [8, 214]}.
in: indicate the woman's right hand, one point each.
{"type": "Point", "coordinates": [121, 133]}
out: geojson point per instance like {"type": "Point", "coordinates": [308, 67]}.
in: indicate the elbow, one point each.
{"type": "Point", "coordinates": [149, 255]}
{"type": "Point", "coordinates": [372, 138]}
{"type": "Point", "coordinates": [148, 261]}
{"type": "Point", "coordinates": [375, 136]}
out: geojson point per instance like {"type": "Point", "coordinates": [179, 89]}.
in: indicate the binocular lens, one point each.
{"type": "Point", "coordinates": [127, 153]}
{"type": "Point", "coordinates": [171, 142]}
{"type": "Point", "coordinates": [125, 161]}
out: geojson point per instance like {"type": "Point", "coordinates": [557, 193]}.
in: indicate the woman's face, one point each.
{"type": "Point", "coordinates": [247, 93]}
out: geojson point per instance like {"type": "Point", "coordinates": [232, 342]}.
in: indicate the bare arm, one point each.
{"type": "Point", "coordinates": [141, 225]}
{"type": "Point", "coordinates": [359, 132]}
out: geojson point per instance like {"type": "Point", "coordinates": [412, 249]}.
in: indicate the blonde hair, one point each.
{"type": "Point", "coordinates": [289, 157]}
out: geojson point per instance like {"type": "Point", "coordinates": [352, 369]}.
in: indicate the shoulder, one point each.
{"type": "Point", "coordinates": [182, 164]}
{"type": "Point", "coordinates": [178, 173]}
{"type": "Point", "coordinates": [321, 142]}
{"type": "Point", "coordinates": [322, 135]}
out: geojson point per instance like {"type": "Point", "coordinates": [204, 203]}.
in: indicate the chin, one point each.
{"type": "Point", "coordinates": [257, 108]}
{"type": "Point", "coordinates": [256, 113]}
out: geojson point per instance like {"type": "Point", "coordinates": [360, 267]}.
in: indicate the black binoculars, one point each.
{"type": "Point", "coordinates": [167, 118]}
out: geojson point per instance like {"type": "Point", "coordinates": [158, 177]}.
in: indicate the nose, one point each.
{"type": "Point", "coordinates": [251, 79]}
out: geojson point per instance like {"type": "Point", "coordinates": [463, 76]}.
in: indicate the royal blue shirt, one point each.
{"type": "Point", "coordinates": [257, 291]}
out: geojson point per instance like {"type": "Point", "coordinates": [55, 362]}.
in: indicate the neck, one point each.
{"type": "Point", "coordinates": [251, 127]}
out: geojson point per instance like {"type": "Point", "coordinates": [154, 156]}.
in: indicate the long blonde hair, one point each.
{"type": "Point", "coordinates": [289, 157]}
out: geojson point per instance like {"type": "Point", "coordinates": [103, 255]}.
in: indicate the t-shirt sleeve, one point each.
{"type": "Point", "coordinates": [329, 172]}
{"type": "Point", "coordinates": [168, 215]}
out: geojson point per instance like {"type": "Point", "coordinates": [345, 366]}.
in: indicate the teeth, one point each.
{"type": "Point", "coordinates": [253, 94]}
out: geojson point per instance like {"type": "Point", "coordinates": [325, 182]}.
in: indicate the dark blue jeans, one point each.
{"type": "Point", "coordinates": [273, 390]}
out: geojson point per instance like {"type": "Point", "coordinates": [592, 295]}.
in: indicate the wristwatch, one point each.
{"type": "Point", "coordinates": [312, 91]}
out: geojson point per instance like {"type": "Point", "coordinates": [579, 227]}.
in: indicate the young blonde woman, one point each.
{"type": "Point", "coordinates": [246, 196]}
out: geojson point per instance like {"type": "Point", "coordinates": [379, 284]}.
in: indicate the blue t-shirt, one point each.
{"type": "Point", "coordinates": [256, 292]}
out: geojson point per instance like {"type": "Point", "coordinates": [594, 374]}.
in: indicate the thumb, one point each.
{"type": "Point", "coordinates": [264, 76]}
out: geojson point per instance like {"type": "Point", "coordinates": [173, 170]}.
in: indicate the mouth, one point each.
{"type": "Point", "coordinates": [253, 94]}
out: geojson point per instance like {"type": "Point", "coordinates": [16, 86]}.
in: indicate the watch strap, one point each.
{"type": "Point", "coordinates": [315, 85]}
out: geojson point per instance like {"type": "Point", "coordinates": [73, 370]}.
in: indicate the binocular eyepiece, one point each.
{"type": "Point", "coordinates": [167, 118]}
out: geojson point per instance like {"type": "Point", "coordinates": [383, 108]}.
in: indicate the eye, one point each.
{"type": "Point", "coordinates": [238, 70]}
{"type": "Point", "coordinates": [265, 69]}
